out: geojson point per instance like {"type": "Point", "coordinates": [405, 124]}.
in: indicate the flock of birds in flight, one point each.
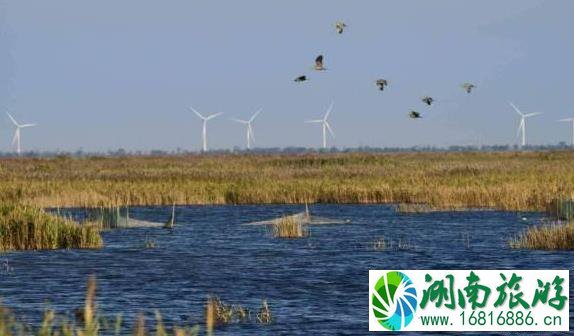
{"type": "Point", "coordinates": [380, 83]}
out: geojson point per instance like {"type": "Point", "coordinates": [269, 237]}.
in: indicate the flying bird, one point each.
{"type": "Point", "coordinates": [415, 115]}
{"type": "Point", "coordinates": [340, 26]}
{"type": "Point", "coordinates": [468, 87]}
{"type": "Point", "coordinates": [427, 100]}
{"type": "Point", "coordinates": [319, 63]}
{"type": "Point", "coordinates": [381, 83]}
{"type": "Point", "coordinates": [301, 79]}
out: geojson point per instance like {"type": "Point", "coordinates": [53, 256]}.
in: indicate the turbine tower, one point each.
{"type": "Point", "coordinates": [250, 134]}
{"type": "Point", "coordinates": [325, 124]}
{"type": "Point", "coordinates": [572, 121]}
{"type": "Point", "coordinates": [16, 139]}
{"type": "Point", "coordinates": [204, 128]}
{"type": "Point", "coordinates": [522, 125]}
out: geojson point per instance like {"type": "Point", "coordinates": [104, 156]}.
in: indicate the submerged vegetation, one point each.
{"type": "Point", "coordinates": [89, 321]}
{"type": "Point", "coordinates": [547, 237]}
{"type": "Point", "coordinates": [30, 228]}
{"type": "Point", "coordinates": [506, 180]}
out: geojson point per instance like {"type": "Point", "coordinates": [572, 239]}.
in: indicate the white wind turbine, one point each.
{"type": "Point", "coordinates": [204, 128]}
{"type": "Point", "coordinates": [522, 125]}
{"type": "Point", "coordinates": [572, 121]}
{"type": "Point", "coordinates": [325, 125]}
{"type": "Point", "coordinates": [16, 139]}
{"type": "Point", "coordinates": [250, 134]}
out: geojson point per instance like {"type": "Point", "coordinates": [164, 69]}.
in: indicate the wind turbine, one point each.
{"type": "Point", "coordinates": [572, 121]}
{"type": "Point", "coordinates": [522, 125]}
{"type": "Point", "coordinates": [16, 139]}
{"type": "Point", "coordinates": [325, 125]}
{"type": "Point", "coordinates": [250, 134]}
{"type": "Point", "coordinates": [204, 128]}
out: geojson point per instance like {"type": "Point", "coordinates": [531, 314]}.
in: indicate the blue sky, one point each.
{"type": "Point", "coordinates": [106, 74]}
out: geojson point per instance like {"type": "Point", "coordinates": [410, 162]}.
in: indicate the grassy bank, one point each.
{"type": "Point", "coordinates": [30, 228]}
{"type": "Point", "coordinates": [509, 180]}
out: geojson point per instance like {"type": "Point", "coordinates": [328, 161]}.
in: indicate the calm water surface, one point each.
{"type": "Point", "coordinates": [317, 285]}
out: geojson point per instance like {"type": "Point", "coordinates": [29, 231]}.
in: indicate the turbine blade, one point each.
{"type": "Point", "coordinates": [198, 114]}
{"type": "Point", "coordinates": [314, 121]}
{"type": "Point", "coordinates": [515, 108]}
{"type": "Point", "coordinates": [28, 125]}
{"type": "Point", "coordinates": [566, 119]}
{"type": "Point", "coordinates": [532, 114]}
{"type": "Point", "coordinates": [213, 116]}
{"type": "Point", "coordinates": [240, 121]}
{"type": "Point", "coordinates": [255, 115]}
{"type": "Point", "coordinates": [330, 129]}
{"type": "Point", "coordinates": [13, 120]}
{"type": "Point", "coordinates": [329, 111]}
{"type": "Point", "coordinates": [15, 137]}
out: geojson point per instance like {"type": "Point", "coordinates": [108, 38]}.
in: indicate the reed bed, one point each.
{"type": "Point", "coordinates": [29, 228]}
{"type": "Point", "coordinates": [289, 227]}
{"type": "Point", "coordinates": [547, 237]}
{"type": "Point", "coordinates": [506, 180]}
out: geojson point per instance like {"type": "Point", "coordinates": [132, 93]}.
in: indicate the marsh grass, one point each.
{"type": "Point", "coordinates": [289, 227]}
{"type": "Point", "coordinates": [414, 208]}
{"type": "Point", "coordinates": [264, 314]}
{"type": "Point", "coordinates": [561, 208]}
{"type": "Point", "coordinates": [29, 228]}
{"type": "Point", "coordinates": [521, 181]}
{"type": "Point", "coordinates": [546, 237]}
{"type": "Point", "coordinates": [219, 313]}
{"type": "Point", "coordinates": [379, 244]}
{"type": "Point", "coordinates": [91, 324]}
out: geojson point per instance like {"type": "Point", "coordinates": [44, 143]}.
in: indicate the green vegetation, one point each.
{"type": "Point", "coordinates": [506, 181]}
{"type": "Point", "coordinates": [29, 228]}
{"type": "Point", "coordinates": [548, 237]}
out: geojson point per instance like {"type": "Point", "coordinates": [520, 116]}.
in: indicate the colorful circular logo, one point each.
{"type": "Point", "coordinates": [394, 300]}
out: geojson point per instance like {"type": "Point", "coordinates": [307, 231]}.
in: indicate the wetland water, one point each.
{"type": "Point", "coordinates": [315, 285]}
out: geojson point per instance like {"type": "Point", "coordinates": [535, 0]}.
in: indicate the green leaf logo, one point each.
{"type": "Point", "coordinates": [394, 300]}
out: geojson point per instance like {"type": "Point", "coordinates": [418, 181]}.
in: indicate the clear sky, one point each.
{"type": "Point", "coordinates": [107, 74]}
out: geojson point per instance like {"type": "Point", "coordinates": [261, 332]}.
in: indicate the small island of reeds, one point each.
{"type": "Point", "coordinates": [29, 228]}
{"type": "Point", "coordinates": [546, 237]}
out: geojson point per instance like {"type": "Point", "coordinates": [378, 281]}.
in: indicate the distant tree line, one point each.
{"type": "Point", "coordinates": [293, 150]}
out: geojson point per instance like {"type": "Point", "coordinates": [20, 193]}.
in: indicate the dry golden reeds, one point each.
{"type": "Point", "coordinates": [506, 180]}
{"type": "Point", "coordinates": [29, 228]}
{"type": "Point", "coordinates": [547, 237]}
{"type": "Point", "coordinates": [54, 325]}
{"type": "Point", "coordinates": [289, 227]}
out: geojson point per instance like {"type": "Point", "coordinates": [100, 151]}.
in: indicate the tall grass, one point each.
{"type": "Point", "coordinates": [29, 228]}
{"type": "Point", "coordinates": [506, 181]}
{"type": "Point", "coordinates": [289, 227]}
{"type": "Point", "coordinates": [548, 237]}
